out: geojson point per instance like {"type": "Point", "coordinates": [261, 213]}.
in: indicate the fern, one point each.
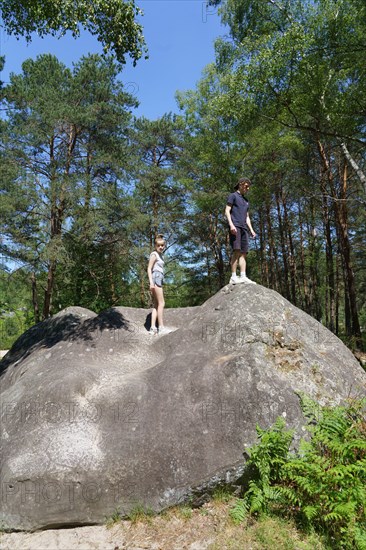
{"type": "Point", "coordinates": [240, 511]}
{"type": "Point", "coordinates": [323, 486]}
{"type": "Point", "coordinates": [310, 512]}
{"type": "Point", "coordinates": [311, 410]}
{"type": "Point", "coordinates": [360, 538]}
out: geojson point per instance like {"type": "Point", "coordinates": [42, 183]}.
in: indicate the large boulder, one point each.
{"type": "Point", "coordinates": [99, 416]}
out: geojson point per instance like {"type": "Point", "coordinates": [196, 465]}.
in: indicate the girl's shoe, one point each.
{"type": "Point", "coordinates": [153, 331]}
{"type": "Point", "coordinates": [164, 330]}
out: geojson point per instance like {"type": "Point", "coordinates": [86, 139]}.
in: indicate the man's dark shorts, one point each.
{"type": "Point", "coordinates": [158, 278]}
{"type": "Point", "coordinates": [240, 241]}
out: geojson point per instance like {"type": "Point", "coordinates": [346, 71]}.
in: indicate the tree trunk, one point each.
{"type": "Point", "coordinates": [337, 282]}
{"type": "Point", "coordinates": [58, 207]}
{"type": "Point", "coordinates": [142, 286]}
{"type": "Point", "coordinates": [330, 290]}
{"type": "Point", "coordinates": [35, 298]}
{"type": "Point", "coordinates": [220, 266]}
{"type": "Point", "coordinates": [353, 163]}
{"type": "Point", "coordinates": [262, 248]}
{"type": "Point", "coordinates": [316, 309]}
{"type": "Point", "coordinates": [304, 293]}
{"type": "Point", "coordinates": [155, 197]}
{"type": "Point", "coordinates": [274, 270]}
{"type": "Point", "coordinates": [290, 248]}
{"type": "Point", "coordinates": [49, 289]}
{"type": "Point", "coordinates": [352, 321]}
{"type": "Point", "coordinates": [284, 280]}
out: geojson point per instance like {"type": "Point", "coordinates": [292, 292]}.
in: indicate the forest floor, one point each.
{"type": "Point", "coordinates": [181, 528]}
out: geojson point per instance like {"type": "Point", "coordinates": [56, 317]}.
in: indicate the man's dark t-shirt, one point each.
{"type": "Point", "coordinates": [239, 209]}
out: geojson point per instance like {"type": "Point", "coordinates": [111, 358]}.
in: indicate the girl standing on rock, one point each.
{"type": "Point", "coordinates": [155, 271]}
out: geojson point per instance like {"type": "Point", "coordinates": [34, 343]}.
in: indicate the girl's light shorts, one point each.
{"type": "Point", "coordinates": [158, 278]}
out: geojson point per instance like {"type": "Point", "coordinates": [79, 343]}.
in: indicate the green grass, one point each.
{"type": "Point", "coordinates": [140, 513]}
{"type": "Point", "coordinates": [222, 494]}
{"type": "Point", "coordinates": [281, 534]}
{"type": "Point", "coordinates": [265, 533]}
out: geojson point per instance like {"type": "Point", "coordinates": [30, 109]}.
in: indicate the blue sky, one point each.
{"type": "Point", "coordinates": [180, 37]}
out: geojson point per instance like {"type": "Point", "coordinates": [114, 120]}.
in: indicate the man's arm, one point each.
{"type": "Point", "coordinates": [249, 224]}
{"type": "Point", "coordinates": [228, 215]}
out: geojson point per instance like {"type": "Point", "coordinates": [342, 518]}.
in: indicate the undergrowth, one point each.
{"type": "Point", "coordinates": [322, 487]}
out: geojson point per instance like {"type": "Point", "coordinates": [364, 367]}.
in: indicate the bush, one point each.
{"type": "Point", "coordinates": [322, 486]}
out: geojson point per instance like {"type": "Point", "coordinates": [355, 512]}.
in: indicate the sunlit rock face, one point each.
{"type": "Point", "coordinates": [99, 416]}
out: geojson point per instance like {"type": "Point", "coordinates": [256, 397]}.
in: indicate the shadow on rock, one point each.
{"type": "Point", "coordinates": [72, 324]}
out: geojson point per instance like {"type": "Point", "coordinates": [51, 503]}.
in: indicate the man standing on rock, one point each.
{"type": "Point", "coordinates": [237, 215]}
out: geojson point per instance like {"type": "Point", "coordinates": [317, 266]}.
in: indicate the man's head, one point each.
{"type": "Point", "coordinates": [243, 185]}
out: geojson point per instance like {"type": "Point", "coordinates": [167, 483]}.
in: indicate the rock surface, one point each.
{"type": "Point", "coordinates": [99, 417]}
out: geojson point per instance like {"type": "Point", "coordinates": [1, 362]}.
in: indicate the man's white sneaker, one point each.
{"type": "Point", "coordinates": [246, 280]}
{"type": "Point", "coordinates": [233, 280]}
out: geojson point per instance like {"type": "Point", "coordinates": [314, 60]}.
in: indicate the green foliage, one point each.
{"type": "Point", "coordinates": [114, 518]}
{"type": "Point", "coordinates": [140, 513]}
{"type": "Point", "coordinates": [16, 314]}
{"type": "Point", "coordinates": [301, 64]}
{"type": "Point", "coordinates": [112, 21]}
{"type": "Point", "coordinates": [184, 512]}
{"type": "Point", "coordinates": [323, 486]}
{"type": "Point", "coordinates": [222, 494]}
{"type": "Point", "coordinates": [266, 460]}
{"type": "Point", "coordinates": [299, 61]}
{"type": "Point", "coordinates": [62, 211]}
{"type": "Point", "coordinates": [274, 532]}
{"type": "Point", "coordinates": [84, 190]}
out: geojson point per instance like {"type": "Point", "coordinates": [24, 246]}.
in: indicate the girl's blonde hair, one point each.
{"type": "Point", "coordinates": [159, 238]}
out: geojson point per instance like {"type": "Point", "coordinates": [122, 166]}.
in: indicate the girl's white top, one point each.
{"type": "Point", "coordinates": [159, 264]}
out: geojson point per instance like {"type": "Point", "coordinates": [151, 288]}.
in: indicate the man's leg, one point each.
{"type": "Point", "coordinates": [235, 240]}
{"type": "Point", "coordinates": [240, 248]}
{"type": "Point", "coordinates": [243, 257]}
{"type": "Point", "coordinates": [235, 257]}
{"type": "Point", "coordinates": [242, 263]}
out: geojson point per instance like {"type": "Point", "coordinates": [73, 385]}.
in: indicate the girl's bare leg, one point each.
{"type": "Point", "coordinates": [160, 303]}
{"type": "Point", "coordinates": [154, 313]}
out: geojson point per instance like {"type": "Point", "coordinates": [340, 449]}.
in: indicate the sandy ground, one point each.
{"type": "Point", "coordinates": [170, 531]}
{"type": "Point", "coordinates": [66, 539]}
{"type": "Point", "coordinates": [206, 528]}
